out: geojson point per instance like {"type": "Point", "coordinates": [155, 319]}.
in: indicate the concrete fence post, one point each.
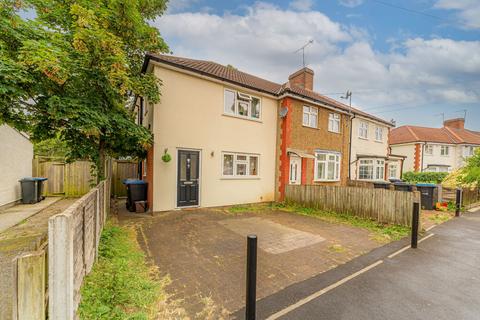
{"type": "Point", "coordinates": [60, 268]}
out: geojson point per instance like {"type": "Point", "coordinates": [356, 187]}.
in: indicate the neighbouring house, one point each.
{"type": "Point", "coordinates": [15, 163]}
{"type": "Point", "coordinates": [235, 138]}
{"type": "Point", "coordinates": [370, 157]}
{"type": "Point", "coordinates": [434, 149]}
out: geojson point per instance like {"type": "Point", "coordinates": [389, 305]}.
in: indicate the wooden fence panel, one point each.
{"type": "Point", "coordinates": [122, 169]}
{"type": "Point", "coordinates": [470, 197]}
{"type": "Point", "coordinates": [73, 237]}
{"type": "Point", "coordinates": [385, 206]}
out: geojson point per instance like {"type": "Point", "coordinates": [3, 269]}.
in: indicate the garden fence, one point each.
{"type": "Point", "coordinates": [385, 206]}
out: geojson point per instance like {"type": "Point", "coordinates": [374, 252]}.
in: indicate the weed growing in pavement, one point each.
{"type": "Point", "coordinates": [121, 284]}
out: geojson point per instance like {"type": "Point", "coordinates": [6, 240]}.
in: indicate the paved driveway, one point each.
{"type": "Point", "coordinates": [203, 252]}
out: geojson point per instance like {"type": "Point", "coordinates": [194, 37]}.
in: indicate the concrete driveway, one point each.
{"type": "Point", "coordinates": [203, 252]}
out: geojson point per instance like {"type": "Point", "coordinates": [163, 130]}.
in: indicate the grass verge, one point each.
{"type": "Point", "coordinates": [121, 284]}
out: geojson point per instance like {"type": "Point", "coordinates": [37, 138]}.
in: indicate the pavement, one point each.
{"type": "Point", "coordinates": [14, 215]}
{"type": "Point", "coordinates": [438, 280]}
{"type": "Point", "coordinates": [203, 252]}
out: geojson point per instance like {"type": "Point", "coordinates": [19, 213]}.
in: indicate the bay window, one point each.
{"type": "Point", "coordinates": [327, 166]}
{"type": "Point", "coordinates": [240, 165]}
{"type": "Point", "coordinates": [371, 169]}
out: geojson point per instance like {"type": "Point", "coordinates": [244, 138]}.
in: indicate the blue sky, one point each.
{"type": "Point", "coordinates": [411, 63]}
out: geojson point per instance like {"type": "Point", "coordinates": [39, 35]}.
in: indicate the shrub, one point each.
{"type": "Point", "coordinates": [424, 177]}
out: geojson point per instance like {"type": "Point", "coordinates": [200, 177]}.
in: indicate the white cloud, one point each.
{"type": "Point", "coordinates": [301, 5]}
{"type": "Point", "coordinates": [262, 42]}
{"type": "Point", "coordinates": [350, 3]}
{"type": "Point", "coordinates": [468, 11]}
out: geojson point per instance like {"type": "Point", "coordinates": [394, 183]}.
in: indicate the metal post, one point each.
{"type": "Point", "coordinates": [415, 220]}
{"type": "Point", "coordinates": [458, 203]}
{"type": "Point", "coordinates": [251, 296]}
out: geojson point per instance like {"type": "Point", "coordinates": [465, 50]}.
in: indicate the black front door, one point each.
{"type": "Point", "coordinates": [188, 178]}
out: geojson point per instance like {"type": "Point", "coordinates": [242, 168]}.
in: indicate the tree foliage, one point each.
{"type": "Point", "coordinates": [71, 70]}
{"type": "Point", "coordinates": [470, 174]}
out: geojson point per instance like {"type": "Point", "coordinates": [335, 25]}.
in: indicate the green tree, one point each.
{"type": "Point", "coordinates": [72, 70]}
{"type": "Point", "coordinates": [470, 174]}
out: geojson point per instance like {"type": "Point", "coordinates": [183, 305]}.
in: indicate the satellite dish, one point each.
{"type": "Point", "coordinates": [283, 112]}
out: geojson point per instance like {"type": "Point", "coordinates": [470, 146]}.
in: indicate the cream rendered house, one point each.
{"type": "Point", "coordinates": [16, 157]}
{"type": "Point", "coordinates": [224, 137]}
{"type": "Point", "coordinates": [370, 159]}
{"type": "Point", "coordinates": [435, 149]}
{"type": "Point", "coordinates": [220, 134]}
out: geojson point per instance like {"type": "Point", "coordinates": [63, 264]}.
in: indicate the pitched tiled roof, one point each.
{"type": "Point", "coordinates": [406, 134]}
{"type": "Point", "coordinates": [218, 71]}
{"type": "Point", "coordinates": [234, 76]}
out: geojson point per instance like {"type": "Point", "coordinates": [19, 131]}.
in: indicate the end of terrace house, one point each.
{"type": "Point", "coordinates": [236, 138]}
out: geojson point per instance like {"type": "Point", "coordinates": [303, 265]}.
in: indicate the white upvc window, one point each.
{"type": "Point", "coordinates": [429, 150]}
{"type": "Point", "coordinates": [392, 171]}
{"type": "Point", "coordinates": [240, 164]}
{"type": "Point", "coordinates": [241, 104]}
{"type": "Point", "coordinates": [334, 122]}
{"type": "Point", "coordinates": [378, 133]}
{"type": "Point", "coordinates": [363, 130]}
{"type": "Point", "coordinates": [371, 169]}
{"type": "Point", "coordinates": [468, 151]}
{"type": "Point", "coordinates": [327, 166]}
{"type": "Point", "coordinates": [310, 116]}
{"type": "Point", "coordinates": [444, 150]}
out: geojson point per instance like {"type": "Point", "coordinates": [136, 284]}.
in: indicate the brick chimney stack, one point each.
{"type": "Point", "coordinates": [458, 123]}
{"type": "Point", "coordinates": [302, 78]}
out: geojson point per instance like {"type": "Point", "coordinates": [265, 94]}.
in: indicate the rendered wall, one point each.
{"type": "Point", "coordinates": [16, 155]}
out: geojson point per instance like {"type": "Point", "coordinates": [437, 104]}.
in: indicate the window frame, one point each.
{"type": "Point", "coordinates": [444, 148]}
{"type": "Point", "coordinates": [374, 168]}
{"type": "Point", "coordinates": [428, 147]}
{"type": "Point", "coordinates": [235, 162]}
{"type": "Point", "coordinates": [378, 129]}
{"type": "Point", "coordinates": [337, 166]}
{"type": "Point", "coordinates": [363, 128]}
{"type": "Point", "coordinates": [389, 171]}
{"type": "Point", "coordinates": [241, 97]}
{"type": "Point", "coordinates": [309, 114]}
{"type": "Point", "coordinates": [334, 118]}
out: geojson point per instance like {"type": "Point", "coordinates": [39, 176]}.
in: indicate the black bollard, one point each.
{"type": "Point", "coordinates": [415, 220]}
{"type": "Point", "coordinates": [458, 202]}
{"type": "Point", "coordinates": [251, 297]}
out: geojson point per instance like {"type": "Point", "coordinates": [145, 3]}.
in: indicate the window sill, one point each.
{"type": "Point", "coordinates": [362, 138]}
{"type": "Point", "coordinates": [326, 180]}
{"type": "Point", "coordinates": [242, 117]}
{"type": "Point", "coordinates": [337, 132]}
{"type": "Point", "coordinates": [316, 128]}
{"type": "Point", "coordinates": [378, 141]}
{"type": "Point", "coordinates": [240, 178]}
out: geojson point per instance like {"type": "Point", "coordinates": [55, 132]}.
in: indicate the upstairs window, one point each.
{"type": "Point", "coordinates": [310, 116]}
{"type": "Point", "coordinates": [444, 150]}
{"type": "Point", "coordinates": [334, 122]}
{"type": "Point", "coordinates": [429, 150]}
{"type": "Point", "coordinates": [241, 104]}
{"type": "Point", "coordinates": [468, 151]}
{"type": "Point", "coordinates": [363, 130]}
{"type": "Point", "coordinates": [378, 134]}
